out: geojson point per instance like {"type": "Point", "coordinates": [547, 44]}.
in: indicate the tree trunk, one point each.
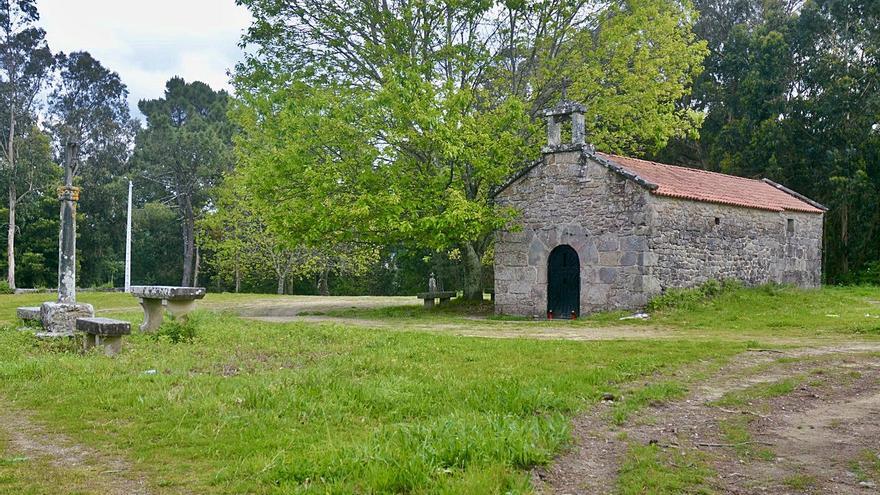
{"type": "Point", "coordinates": [844, 239]}
{"type": "Point", "coordinates": [188, 239]}
{"type": "Point", "coordinates": [237, 279]}
{"type": "Point", "coordinates": [323, 283]}
{"type": "Point", "coordinates": [10, 237]}
{"type": "Point", "coordinates": [473, 272]}
{"type": "Point", "coordinates": [281, 278]}
{"type": "Point", "coordinates": [13, 200]}
{"type": "Point", "coordinates": [196, 268]}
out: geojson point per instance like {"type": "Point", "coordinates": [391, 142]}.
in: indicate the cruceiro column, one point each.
{"type": "Point", "coordinates": [59, 319]}
{"type": "Point", "coordinates": [68, 194]}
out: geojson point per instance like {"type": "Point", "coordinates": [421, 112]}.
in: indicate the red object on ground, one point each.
{"type": "Point", "coordinates": [550, 314]}
{"type": "Point", "coordinates": [574, 315]}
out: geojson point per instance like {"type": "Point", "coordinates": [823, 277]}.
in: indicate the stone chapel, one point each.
{"type": "Point", "coordinates": [602, 232]}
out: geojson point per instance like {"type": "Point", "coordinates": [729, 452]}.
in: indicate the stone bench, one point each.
{"type": "Point", "coordinates": [430, 297]}
{"type": "Point", "coordinates": [103, 332]}
{"type": "Point", "coordinates": [28, 313]}
{"type": "Point", "coordinates": [154, 298]}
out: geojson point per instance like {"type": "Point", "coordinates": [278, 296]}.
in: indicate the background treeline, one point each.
{"type": "Point", "coordinates": [761, 88]}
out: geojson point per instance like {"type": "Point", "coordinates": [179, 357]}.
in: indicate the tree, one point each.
{"type": "Point", "coordinates": [790, 93]}
{"type": "Point", "coordinates": [36, 212]}
{"type": "Point", "coordinates": [25, 63]}
{"type": "Point", "coordinates": [241, 244]}
{"type": "Point", "coordinates": [395, 122]}
{"type": "Point", "coordinates": [89, 105]}
{"type": "Point", "coordinates": [185, 149]}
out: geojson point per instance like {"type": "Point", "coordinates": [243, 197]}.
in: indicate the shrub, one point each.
{"type": "Point", "coordinates": [688, 298]}
{"type": "Point", "coordinates": [5, 288]}
{"type": "Point", "coordinates": [870, 275]}
{"type": "Point", "coordinates": [178, 330]}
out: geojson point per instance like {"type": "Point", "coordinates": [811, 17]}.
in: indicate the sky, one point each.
{"type": "Point", "coordinates": [149, 41]}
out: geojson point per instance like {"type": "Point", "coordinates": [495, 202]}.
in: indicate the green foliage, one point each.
{"type": "Point", "coordinates": [185, 149]}
{"type": "Point", "coordinates": [788, 94]}
{"type": "Point", "coordinates": [5, 288]}
{"type": "Point", "coordinates": [177, 330]}
{"type": "Point", "coordinates": [648, 469]}
{"type": "Point", "coordinates": [156, 245]}
{"type": "Point", "coordinates": [688, 298]}
{"type": "Point", "coordinates": [402, 133]}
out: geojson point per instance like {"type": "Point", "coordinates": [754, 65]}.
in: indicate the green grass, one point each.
{"type": "Point", "coordinates": [24, 475]}
{"type": "Point", "coordinates": [728, 312]}
{"type": "Point", "coordinates": [775, 310]}
{"type": "Point", "coordinates": [759, 391]}
{"type": "Point", "coordinates": [648, 469]}
{"type": "Point", "coordinates": [736, 432]}
{"type": "Point", "coordinates": [801, 482]}
{"type": "Point", "coordinates": [249, 407]}
{"type": "Point", "coordinates": [266, 408]}
{"type": "Point", "coordinates": [866, 466]}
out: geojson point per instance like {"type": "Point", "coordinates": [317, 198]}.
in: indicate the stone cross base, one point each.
{"type": "Point", "coordinates": [59, 319]}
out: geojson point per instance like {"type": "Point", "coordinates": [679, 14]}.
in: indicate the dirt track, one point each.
{"type": "Point", "coordinates": [810, 440]}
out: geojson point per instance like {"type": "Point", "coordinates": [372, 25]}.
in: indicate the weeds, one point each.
{"type": "Point", "coordinates": [689, 298]}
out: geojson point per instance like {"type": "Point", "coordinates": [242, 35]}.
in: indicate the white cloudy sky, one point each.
{"type": "Point", "coordinates": [148, 41]}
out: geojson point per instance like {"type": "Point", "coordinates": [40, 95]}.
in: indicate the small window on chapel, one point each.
{"type": "Point", "coordinates": [717, 221]}
{"type": "Point", "coordinates": [790, 227]}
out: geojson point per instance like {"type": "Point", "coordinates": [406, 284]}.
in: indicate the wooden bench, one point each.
{"type": "Point", "coordinates": [156, 298]}
{"type": "Point", "coordinates": [430, 297]}
{"type": "Point", "coordinates": [103, 332]}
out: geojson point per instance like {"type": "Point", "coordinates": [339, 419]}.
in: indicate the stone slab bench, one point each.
{"type": "Point", "coordinates": [430, 297]}
{"type": "Point", "coordinates": [154, 298]}
{"type": "Point", "coordinates": [103, 332]}
{"type": "Point", "coordinates": [28, 313]}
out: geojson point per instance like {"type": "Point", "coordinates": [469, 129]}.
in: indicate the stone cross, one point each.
{"type": "Point", "coordinates": [68, 194]}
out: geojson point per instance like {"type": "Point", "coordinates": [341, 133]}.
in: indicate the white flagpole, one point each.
{"type": "Point", "coordinates": [128, 243]}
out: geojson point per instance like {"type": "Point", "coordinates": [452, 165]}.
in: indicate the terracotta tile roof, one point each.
{"type": "Point", "coordinates": [712, 187]}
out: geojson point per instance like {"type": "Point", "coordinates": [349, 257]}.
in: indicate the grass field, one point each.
{"type": "Point", "coordinates": [317, 407]}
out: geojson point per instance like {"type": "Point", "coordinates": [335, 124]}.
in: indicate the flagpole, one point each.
{"type": "Point", "coordinates": [128, 243]}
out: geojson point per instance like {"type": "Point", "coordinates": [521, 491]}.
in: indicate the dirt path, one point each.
{"type": "Point", "coordinates": [810, 439]}
{"type": "Point", "coordinates": [103, 474]}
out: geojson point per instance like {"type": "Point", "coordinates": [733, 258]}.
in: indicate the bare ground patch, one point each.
{"type": "Point", "coordinates": [796, 421]}
{"type": "Point", "coordinates": [89, 471]}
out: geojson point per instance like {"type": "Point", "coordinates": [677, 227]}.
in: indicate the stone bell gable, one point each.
{"type": "Point", "coordinates": [603, 232]}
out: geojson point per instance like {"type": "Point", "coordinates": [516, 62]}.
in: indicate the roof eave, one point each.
{"type": "Point", "coordinates": [796, 195]}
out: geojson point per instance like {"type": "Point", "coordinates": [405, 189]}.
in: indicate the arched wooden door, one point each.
{"type": "Point", "coordinates": [564, 282]}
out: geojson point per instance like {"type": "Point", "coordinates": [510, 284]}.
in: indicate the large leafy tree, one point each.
{"type": "Point", "coordinates": [25, 64]}
{"type": "Point", "coordinates": [395, 122]}
{"type": "Point", "coordinates": [88, 105]}
{"type": "Point", "coordinates": [790, 91]}
{"type": "Point", "coordinates": [184, 150]}
{"type": "Point", "coordinates": [242, 245]}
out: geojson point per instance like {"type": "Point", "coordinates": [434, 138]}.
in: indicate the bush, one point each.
{"type": "Point", "coordinates": [178, 330]}
{"type": "Point", "coordinates": [5, 288]}
{"type": "Point", "coordinates": [688, 298]}
{"type": "Point", "coordinates": [870, 275]}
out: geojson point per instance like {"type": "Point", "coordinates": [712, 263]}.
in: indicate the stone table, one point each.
{"type": "Point", "coordinates": [155, 298]}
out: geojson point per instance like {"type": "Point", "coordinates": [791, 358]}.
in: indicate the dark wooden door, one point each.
{"type": "Point", "coordinates": [564, 282]}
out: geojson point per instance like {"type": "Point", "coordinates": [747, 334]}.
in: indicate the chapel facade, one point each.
{"type": "Point", "coordinates": [600, 232]}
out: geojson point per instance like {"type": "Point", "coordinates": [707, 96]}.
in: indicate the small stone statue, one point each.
{"type": "Point", "coordinates": [432, 283]}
